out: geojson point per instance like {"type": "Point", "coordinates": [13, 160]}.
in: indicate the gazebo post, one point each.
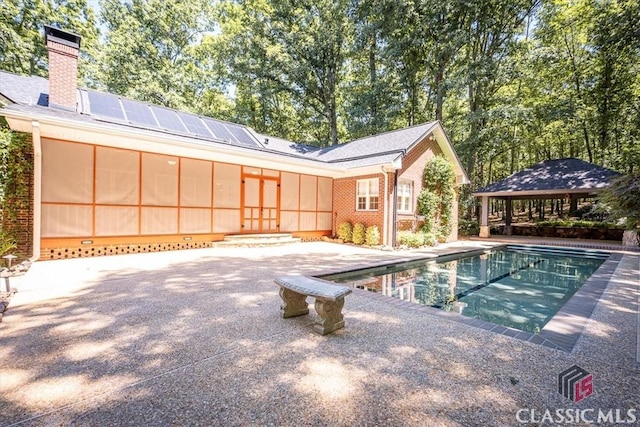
{"type": "Point", "coordinates": [484, 218]}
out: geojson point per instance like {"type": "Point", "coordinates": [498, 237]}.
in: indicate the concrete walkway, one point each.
{"type": "Point", "coordinates": [195, 338]}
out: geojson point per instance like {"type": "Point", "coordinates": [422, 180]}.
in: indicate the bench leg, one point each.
{"type": "Point", "coordinates": [330, 316]}
{"type": "Point", "coordinates": [293, 303]}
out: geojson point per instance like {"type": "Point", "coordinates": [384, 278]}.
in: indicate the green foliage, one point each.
{"type": "Point", "coordinates": [153, 50]}
{"type": "Point", "coordinates": [372, 235]}
{"type": "Point", "coordinates": [345, 231]}
{"type": "Point", "coordinates": [15, 163]}
{"type": "Point", "coordinates": [358, 233]}
{"type": "Point", "coordinates": [593, 212]}
{"type": "Point", "coordinates": [22, 46]}
{"type": "Point", "coordinates": [513, 82]}
{"type": "Point", "coordinates": [411, 239]}
{"type": "Point", "coordinates": [574, 224]}
{"type": "Point", "coordinates": [7, 243]}
{"type": "Point", "coordinates": [623, 197]}
{"type": "Point", "coordinates": [428, 207]}
{"type": "Point", "coordinates": [416, 239]}
{"type": "Point", "coordinates": [468, 227]}
{"type": "Point", "coordinates": [430, 239]}
{"type": "Point", "coordinates": [289, 52]}
{"type": "Point", "coordinates": [435, 201]}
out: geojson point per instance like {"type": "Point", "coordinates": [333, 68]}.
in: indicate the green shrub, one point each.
{"type": "Point", "coordinates": [411, 239]}
{"type": "Point", "coordinates": [623, 197]}
{"type": "Point", "coordinates": [358, 233]}
{"type": "Point", "coordinates": [468, 227]}
{"type": "Point", "coordinates": [573, 224]}
{"type": "Point", "coordinates": [345, 231]}
{"type": "Point", "coordinates": [430, 239]}
{"type": "Point", "coordinates": [372, 235]}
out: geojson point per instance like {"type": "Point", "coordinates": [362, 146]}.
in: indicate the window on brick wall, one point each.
{"type": "Point", "coordinates": [405, 196]}
{"type": "Point", "coordinates": [367, 194]}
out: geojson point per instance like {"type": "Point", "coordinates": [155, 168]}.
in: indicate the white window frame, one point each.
{"type": "Point", "coordinates": [368, 192]}
{"type": "Point", "coordinates": [404, 197]}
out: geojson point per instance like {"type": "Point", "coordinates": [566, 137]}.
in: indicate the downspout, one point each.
{"type": "Point", "coordinates": [394, 226]}
{"type": "Point", "coordinates": [385, 216]}
{"type": "Point", "coordinates": [37, 188]}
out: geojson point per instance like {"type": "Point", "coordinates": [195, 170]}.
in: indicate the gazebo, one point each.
{"type": "Point", "coordinates": [568, 178]}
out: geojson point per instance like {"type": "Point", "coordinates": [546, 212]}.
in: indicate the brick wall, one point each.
{"type": "Point", "coordinates": [17, 212]}
{"type": "Point", "coordinates": [344, 191]}
{"type": "Point", "coordinates": [344, 203]}
{"type": "Point", "coordinates": [412, 169]}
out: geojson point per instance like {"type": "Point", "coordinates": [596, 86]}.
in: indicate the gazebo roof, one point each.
{"type": "Point", "coordinates": [552, 178]}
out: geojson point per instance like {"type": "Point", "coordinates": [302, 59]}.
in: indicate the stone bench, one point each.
{"type": "Point", "coordinates": [329, 300]}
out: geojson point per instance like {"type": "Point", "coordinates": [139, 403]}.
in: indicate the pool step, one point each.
{"type": "Point", "coordinates": [561, 251]}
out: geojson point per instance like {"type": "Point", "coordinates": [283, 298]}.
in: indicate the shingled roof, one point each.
{"type": "Point", "coordinates": [29, 95]}
{"type": "Point", "coordinates": [561, 176]}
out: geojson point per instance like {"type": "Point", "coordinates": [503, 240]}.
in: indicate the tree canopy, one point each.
{"type": "Point", "coordinates": [513, 82]}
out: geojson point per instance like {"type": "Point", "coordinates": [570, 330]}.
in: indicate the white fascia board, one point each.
{"type": "Point", "coordinates": [141, 140]}
{"type": "Point", "coordinates": [374, 169]}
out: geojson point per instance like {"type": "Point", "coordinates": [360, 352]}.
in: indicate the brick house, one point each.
{"type": "Point", "coordinates": [115, 175]}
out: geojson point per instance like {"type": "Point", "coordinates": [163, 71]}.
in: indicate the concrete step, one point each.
{"type": "Point", "coordinates": [256, 240]}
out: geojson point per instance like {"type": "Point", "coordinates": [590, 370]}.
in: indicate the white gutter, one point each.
{"type": "Point", "coordinates": [37, 188]}
{"type": "Point", "coordinates": [142, 140]}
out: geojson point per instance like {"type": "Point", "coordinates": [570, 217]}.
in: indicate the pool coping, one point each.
{"type": "Point", "coordinates": [562, 332]}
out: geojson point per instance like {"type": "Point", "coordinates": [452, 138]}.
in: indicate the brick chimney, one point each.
{"type": "Point", "coordinates": [63, 50]}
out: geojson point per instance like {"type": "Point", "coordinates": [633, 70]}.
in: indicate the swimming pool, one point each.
{"type": "Point", "coordinates": [521, 287]}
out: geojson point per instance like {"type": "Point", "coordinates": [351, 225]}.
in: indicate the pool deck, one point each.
{"type": "Point", "coordinates": [195, 337]}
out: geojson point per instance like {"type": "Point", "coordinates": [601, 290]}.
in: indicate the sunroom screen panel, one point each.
{"type": "Point", "coordinates": [289, 221]}
{"type": "Point", "coordinates": [289, 191]}
{"type": "Point", "coordinates": [226, 220]}
{"type": "Point", "coordinates": [116, 221]}
{"type": "Point", "coordinates": [195, 183]}
{"type": "Point", "coordinates": [67, 172]}
{"type": "Point", "coordinates": [194, 220]}
{"type": "Point", "coordinates": [226, 190]}
{"type": "Point", "coordinates": [324, 221]}
{"type": "Point", "coordinates": [159, 180]}
{"type": "Point", "coordinates": [66, 221]}
{"type": "Point", "coordinates": [159, 220]}
{"type": "Point", "coordinates": [308, 193]}
{"type": "Point", "coordinates": [325, 194]}
{"type": "Point", "coordinates": [117, 176]}
{"type": "Point", "coordinates": [307, 221]}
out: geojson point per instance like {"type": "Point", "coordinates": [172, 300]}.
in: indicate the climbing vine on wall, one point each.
{"type": "Point", "coordinates": [16, 168]}
{"type": "Point", "coordinates": [435, 201]}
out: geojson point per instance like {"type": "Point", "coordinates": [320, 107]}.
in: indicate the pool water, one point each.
{"type": "Point", "coordinates": [521, 287]}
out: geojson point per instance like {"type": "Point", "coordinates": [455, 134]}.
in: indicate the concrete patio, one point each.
{"type": "Point", "coordinates": [195, 337]}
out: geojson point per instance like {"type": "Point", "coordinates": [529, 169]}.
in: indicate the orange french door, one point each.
{"type": "Point", "coordinates": [260, 204]}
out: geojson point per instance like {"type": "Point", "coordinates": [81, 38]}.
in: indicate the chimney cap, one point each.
{"type": "Point", "coordinates": [63, 37]}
